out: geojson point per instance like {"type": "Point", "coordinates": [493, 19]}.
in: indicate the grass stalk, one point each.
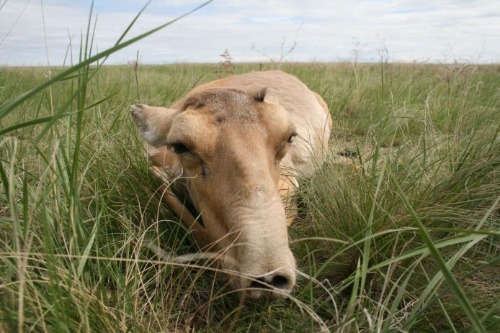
{"type": "Point", "coordinates": [443, 266]}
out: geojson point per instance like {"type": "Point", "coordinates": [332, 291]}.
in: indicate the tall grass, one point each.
{"type": "Point", "coordinates": [402, 237]}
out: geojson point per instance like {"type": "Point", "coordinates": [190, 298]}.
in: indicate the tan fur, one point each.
{"type": "Point", "coordinates": [235, 165]}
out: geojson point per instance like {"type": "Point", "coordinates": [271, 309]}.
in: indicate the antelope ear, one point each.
{"type": "Point", "coordinates": [266, 95]}
{"type": "Point", "coordinates": [153, 123]}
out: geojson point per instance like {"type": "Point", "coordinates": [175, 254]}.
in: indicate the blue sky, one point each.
{"type": "Point", "coordinates": [41, 32]}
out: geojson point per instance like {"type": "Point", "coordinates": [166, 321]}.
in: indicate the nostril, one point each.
{"type": "Point", "coordinates": [280, 282]}
{"type": "Point", "coordinates": [259, 283]}
{"type": "Point", "coordinates": [268, 282]}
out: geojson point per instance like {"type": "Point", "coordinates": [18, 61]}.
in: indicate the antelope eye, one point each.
{"type": "Point", "coordinates": [179, 148]}
{"type": "Point", "coordinates": [292, 136]}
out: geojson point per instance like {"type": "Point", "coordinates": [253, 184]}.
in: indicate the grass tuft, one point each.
{"type": "Point", "coordinates": [398, 234]}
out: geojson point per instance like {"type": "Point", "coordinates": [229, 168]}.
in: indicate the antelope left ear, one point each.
{"type": "Point", "coordinates": [266, 95]}
{"type": "Point", "coordinates": [153, 123]}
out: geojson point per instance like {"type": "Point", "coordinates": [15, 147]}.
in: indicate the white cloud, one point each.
{"type": "Point", "coordinates": [324, 30]}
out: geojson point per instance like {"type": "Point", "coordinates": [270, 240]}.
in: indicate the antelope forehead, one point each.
{"type": "Point", "coordinates": [275, 118]}
{"type": "Point", "coordinates": [192, 130]}
{"type": "Point", "coordinates": [210, 131]}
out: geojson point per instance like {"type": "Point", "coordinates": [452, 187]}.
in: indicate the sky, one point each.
{"type": "Point", "coordinates": [48, 32]}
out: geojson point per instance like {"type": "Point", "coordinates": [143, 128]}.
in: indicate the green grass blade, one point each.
{"type": "Point", "coordinates": [132, 23]}
{"type": "Point", "coordinates": [37, 121]}
{"type": "Point", "coordinates": [401, 293]}
{"type": "Point", "coordinates": [450, 279]}
{"type": "Point", "coordinates": [86, 251]}
{"type": "Point", "coordinates": [8, 107]}
{"type": "Point", "coordinates": [424, 250]}
{"type": "Point", "coordinates": [369, 230]}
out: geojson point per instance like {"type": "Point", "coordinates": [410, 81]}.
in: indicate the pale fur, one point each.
{"type": "Point", "coordinates": [240, 171]}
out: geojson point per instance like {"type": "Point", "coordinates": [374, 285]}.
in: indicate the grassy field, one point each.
{"type": "Point", "coordinates": [403, 236]}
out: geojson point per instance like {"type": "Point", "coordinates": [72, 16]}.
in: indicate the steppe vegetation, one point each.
{"type": "Point", "coordinates": [398, 232]}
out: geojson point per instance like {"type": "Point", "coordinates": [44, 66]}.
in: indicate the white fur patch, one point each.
{"type": "Point", "coordinates": [149, 135]}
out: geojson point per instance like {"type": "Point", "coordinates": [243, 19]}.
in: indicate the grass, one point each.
{"type": "Point", "coordinates": [404, 237]}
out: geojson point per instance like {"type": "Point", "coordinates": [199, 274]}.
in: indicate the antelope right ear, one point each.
{"type": "Point", "coordinates": [153, 123]}
{"type": "Point", "coordinates": [266, 95]}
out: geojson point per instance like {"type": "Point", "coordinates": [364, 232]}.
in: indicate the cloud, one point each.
{"type": "Point", "coordinates": [323, 30]}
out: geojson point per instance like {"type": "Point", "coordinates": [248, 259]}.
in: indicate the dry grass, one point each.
{"type": "Point", "coordinates": [399, 234]}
